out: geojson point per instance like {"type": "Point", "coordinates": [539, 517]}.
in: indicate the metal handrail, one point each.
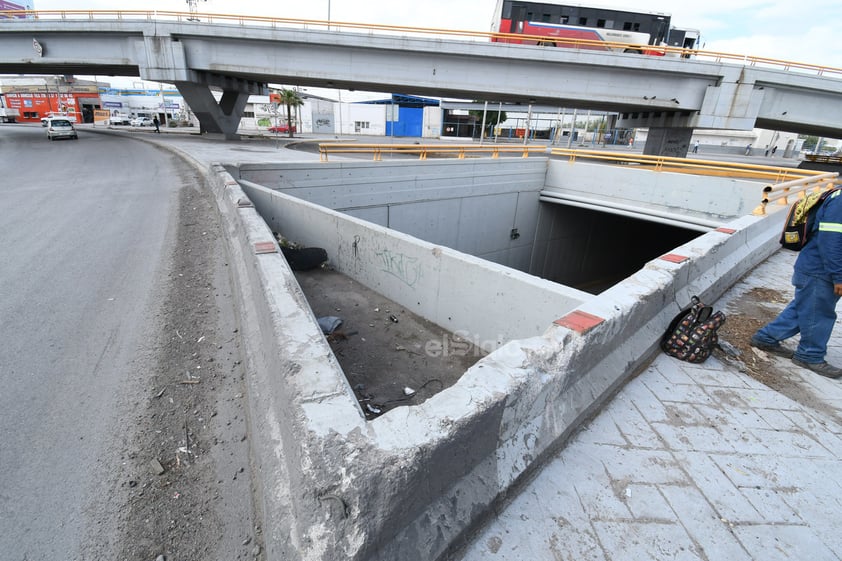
{"type": "Point", "coordinates": [423, 150]}
{"type": "Point", "coordinates": [242, 20]}
{"type": "Point", "coordinates": [687, 165]}
{"type": "Point", "coordinates": [781, 192]}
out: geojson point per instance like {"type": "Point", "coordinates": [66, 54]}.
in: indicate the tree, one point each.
{"type": "Point", "coordinates": [492, 117]}
{"type": "Point", "coordinates": [810, 142]}
{"type": "Point", "coordinates": [291, 99]}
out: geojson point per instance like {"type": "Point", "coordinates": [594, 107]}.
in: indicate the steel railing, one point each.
{"type": "Point", "coordinates": [507, 38]}
{"type": "Point", "coordinates": [687, 165]}
{"type": "Point", "coordinates": [799, 188]}
{"type": "Point", "coordinates": [422, 151]}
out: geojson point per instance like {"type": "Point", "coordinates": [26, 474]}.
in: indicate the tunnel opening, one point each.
{"type": "Point", "coordinates": [592, 250]}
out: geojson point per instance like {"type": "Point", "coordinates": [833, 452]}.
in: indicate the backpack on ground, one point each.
{"type": "Point", "coordinates": [796, 230]}
{"type": "Point", "coordinates": [692, 333]}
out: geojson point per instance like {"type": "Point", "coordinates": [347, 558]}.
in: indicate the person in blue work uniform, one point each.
{"type": "Point", "coordinates": [817, 278]}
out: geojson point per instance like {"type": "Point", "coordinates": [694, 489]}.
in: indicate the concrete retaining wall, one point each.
{"type": "Point", "coordinates": [469, 205]}
{"type": "Point", "coordinates": [412, 483]}
{"type": "Point", "coordinates": [487, 303]}
{"type": "Point", "coordinates": [671, 193]}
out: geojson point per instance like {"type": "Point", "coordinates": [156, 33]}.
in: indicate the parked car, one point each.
{"type": "Point", "coordinates": [60, 127]}
{"type": "Point", "coordinates": [284, 128]}
{"type": "Point", "coordinates": [120, 120]}
{"type": "Point", "coordinates": [141, 122]}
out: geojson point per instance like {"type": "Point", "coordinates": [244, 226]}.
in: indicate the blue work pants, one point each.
{"type": "Point", "coordinates": [812, 313]}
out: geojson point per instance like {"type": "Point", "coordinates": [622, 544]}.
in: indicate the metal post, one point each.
{"type": "Point", "coordinates": [499, 114]}
{"type": "Point", "coordinates": [528, 125]}
{"type": "Point", "coordinates": [482, 130]}
{"type": "Point", "coordinates": [572, 130]}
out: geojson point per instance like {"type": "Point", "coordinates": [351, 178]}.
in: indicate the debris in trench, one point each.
{"type": "Point", "coordinates": [304, 259]}
{"type": "Point", "coordinates": [373, 408]}
{"type": "Point", "coordinates": [329, 324]}
{"type": "Point", "coordinates": [156, 467]}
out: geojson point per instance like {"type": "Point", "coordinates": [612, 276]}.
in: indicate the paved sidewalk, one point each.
{"type": "Point", "coordinates": [691, 462]}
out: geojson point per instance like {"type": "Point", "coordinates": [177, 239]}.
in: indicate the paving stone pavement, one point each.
{"type": "Point", "coordinates": [690, 462]}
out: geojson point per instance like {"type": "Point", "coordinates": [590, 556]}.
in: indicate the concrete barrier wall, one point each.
{"type": "Point", "coordinates": [485, 302]}
{"type": "Point", "coordinates": [673, 193]}
{"type": "Point", "coordinates": [414, 482]}
{"type": "Point", "coordinates": [471, 205]}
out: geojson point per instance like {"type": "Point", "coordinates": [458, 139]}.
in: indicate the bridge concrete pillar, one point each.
{"type": "Point", "coordinates": [673, 142]}
{"type": "Point", "coordinates": [214, 116]}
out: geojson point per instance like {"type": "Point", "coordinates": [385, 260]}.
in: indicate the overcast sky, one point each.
{"type": "Point", "coordinates": [801, 31]}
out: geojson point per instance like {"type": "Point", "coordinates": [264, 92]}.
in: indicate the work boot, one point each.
{"type": "Point", "coordinates": [776, 349]}
{"type": "Point", "coordinates": [823, 368]}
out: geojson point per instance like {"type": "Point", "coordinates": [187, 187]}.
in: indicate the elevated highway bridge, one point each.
{"type": "Point", "coordinates": [671, 94]}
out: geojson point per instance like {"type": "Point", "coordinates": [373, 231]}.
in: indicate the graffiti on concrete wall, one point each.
{"type": "Point", "coordinates": [400, 265]}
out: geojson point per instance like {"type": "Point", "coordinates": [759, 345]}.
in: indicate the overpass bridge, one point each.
{"type": "Point", "coordinates": [240, 55]}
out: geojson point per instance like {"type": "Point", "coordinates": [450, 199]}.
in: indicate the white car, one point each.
{"type": "Point", "coordinates": [141, 122]}
{"type": "Point", "coordinates": [60, 127]}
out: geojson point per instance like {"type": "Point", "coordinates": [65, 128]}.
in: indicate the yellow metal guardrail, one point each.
{"type": "Point", "coordinates": [687, 165]}
{"type": "Point", "coordinates": [782, 182]}
{"type": "Point", "coordinates": [781, 192]}
{"type": "Point", "coordinates": [242, 20]}
{"type": "Point", "coordinates": [460, 151]}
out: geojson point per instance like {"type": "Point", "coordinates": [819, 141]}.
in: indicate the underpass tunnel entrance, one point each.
{"type": "Point", "coordinates": [592, 250]}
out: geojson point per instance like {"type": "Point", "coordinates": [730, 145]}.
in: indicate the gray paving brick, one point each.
{"type": "Point", "coordinates": [635, 429]}
{"type": "Point", "coordinates": [708, 529]}
{"type": "Point", "coordinates": [774, 542]}
{"type": "Point", "coordinates": [625, 466]}
{"type": "Point", "coordinates": [744, 418]}
{"type": "Point", "coordinates": [667, 391]}
{"type": "Point", "coordinates": [693, 437]}
{"type": "Point", "coordinates": [646, 502]}
{"type": "Point", "coordinates": [641, 540]}
{"type": "Point", "coordinates": [719, 491]}
{"type": "Point", "coordinates": [797, 442]}
{"type": "Point", "coordinates": [772, 505]}
{"type": "Point", "coordinates": [601, 430]}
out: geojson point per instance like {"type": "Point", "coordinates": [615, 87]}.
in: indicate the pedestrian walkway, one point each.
{"type": "Point", "coordinates": [691, 462]}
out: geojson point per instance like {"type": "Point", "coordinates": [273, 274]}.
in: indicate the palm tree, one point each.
{"type": "Point", "coordinates": [291, 99]}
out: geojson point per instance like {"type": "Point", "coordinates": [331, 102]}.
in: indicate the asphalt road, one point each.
{"type": "Point", "coordinates": [88, 234]}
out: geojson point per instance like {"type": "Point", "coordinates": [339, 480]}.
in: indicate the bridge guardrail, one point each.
{"type": "Point", "coordinates": [187, 17]}
{"type": "Point", "coordinates": [423, 150]}
{"type": "Point", "coordinates": [687, 165]}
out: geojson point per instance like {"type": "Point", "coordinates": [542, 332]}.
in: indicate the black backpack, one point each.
{"type": "Point", "coordinates": [692, 333]}
{"type": "Point", "coordinates": [798, 225]}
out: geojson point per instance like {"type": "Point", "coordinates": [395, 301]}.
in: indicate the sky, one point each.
{"type": "Point", "coordinates": [800, 31]}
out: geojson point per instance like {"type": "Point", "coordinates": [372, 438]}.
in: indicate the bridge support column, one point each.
{"type": "Point", "coordinates": [668, 141]}
{"type": "Point", "coordinates": [217, 117]}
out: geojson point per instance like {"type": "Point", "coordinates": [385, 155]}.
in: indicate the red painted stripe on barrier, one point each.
{"type": "Point", "coordinates": [265, 247]}
{"type": "Point", "coordinates": [674, 258]}
{"type": "Point", "coordinates": [579, 321]}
